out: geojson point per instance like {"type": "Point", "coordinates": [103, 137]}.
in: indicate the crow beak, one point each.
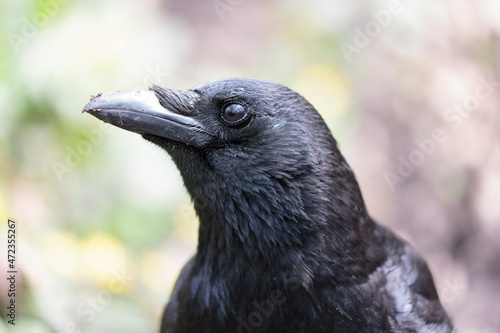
{"type": "Point", "coordinates": [140, 111]}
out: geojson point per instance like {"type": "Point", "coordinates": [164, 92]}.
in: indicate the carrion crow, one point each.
{"type": "Point", "coordinates": [285, 242]}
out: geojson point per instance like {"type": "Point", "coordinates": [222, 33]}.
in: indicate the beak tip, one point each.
{"type": "Point", "coordinates": [88, 108]}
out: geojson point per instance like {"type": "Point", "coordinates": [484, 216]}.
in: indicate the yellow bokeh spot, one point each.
{"type": "Point", "coordinates": [324, 87]}
{"type": "Point", "coordinates": [63, 255]}
{"type": "Point", "coordinates": [103, 256]}
{"type": "Point", "coordinates": [159, 271]}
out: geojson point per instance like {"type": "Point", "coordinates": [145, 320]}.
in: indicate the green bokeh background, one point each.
{"type": "Point", "coordinates": [92, 203]}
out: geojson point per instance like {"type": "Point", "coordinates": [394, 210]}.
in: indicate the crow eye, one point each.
{"type": "Point", "coordinates": [234, 114]}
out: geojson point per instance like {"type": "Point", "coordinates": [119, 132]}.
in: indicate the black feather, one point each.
{"type": "Point", "coordinates": [285, 242]}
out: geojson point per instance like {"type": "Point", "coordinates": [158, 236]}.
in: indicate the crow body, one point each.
{"type": "Point", "coordinates": [285, 242]}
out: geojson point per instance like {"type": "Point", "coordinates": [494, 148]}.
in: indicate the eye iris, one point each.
{"type": "Point", "coordinates": [234, 112]}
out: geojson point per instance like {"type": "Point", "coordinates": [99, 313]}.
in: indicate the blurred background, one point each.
{"type": "Point", "coordinates": [410, 89]}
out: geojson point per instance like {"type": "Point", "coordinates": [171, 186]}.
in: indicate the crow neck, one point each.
{"type": "Point", "coordinates": [279, 226]}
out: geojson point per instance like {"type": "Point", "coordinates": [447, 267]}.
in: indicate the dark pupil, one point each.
{"type": "Point", "coordinates": [234, 112]}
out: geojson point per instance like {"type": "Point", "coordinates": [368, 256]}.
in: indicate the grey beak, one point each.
{"type": "Point", "coordinates": [140, 111]}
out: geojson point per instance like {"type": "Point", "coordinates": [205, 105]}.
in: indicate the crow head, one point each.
{"type": "Point", "coordinates": [263, 170]}
{"type": "Point", "coordinates": [279, 209]}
